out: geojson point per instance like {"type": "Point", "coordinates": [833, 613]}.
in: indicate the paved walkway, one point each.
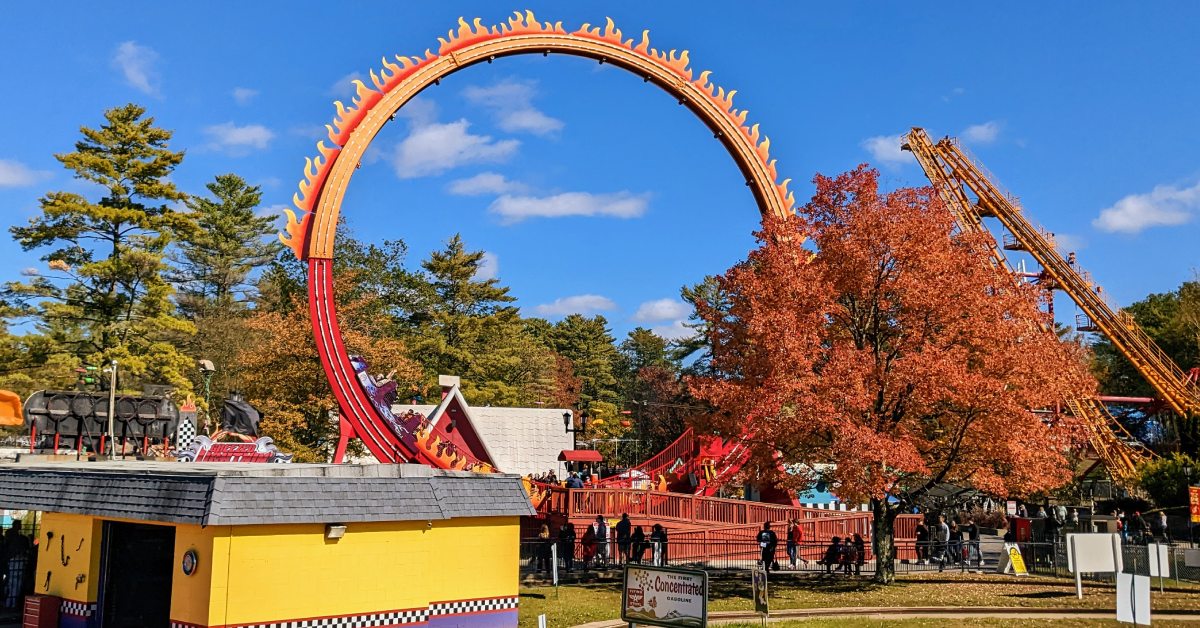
{"type": "Point", "coordinates": [933, 612]}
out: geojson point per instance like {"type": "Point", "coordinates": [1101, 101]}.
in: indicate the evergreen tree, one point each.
{"type": "Point", "coordinates": [109, 299]}
{"type": "Point", "coordinates": [589, 345]}
{"type": "Point", "coordinates": [213, 263]}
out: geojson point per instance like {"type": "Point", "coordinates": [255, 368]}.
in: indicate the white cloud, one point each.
{"type": "Point", "coordinates": [243, 95]}
{"type": "Point", "coordinates": [14, 174]}
{"type": "Point", "coordinates": [420, 111]}
{"type": "Point", "coordinates": [578, 304]}
{"type": "Point", "coordinates": [489, 267]}
{"type": "Point", "coordinates": [344, 87]}
{"type": "Point", "coordinates": [662, 310]}
{"type": "Point", "coordinates": [512, 102]}
{"type": "Point", "coordinates": [136, 63]}
{"type": "Point", "coordinates": [435, 148]}
{"type": "Point", "coordinates": [513, 209]}
{"type": "Point", "coordinates": [886, 148]}
{"type": "Point", "coordinates": [674, 331]}
{"type": "Point", "coordinates": [1165, 205]}
{"type": "Point", "coordinates": [985, 133]}
{"type": "Point", "coordinates": [274, 211]}
{"type": "Point", "coordinates": [235, 139]}
{"type": "Point", "coordinates": [485, 183]}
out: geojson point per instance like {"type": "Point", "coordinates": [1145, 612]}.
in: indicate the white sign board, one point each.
{"type": "Point", "coordinates": [1191, 557]}
{"type": "Point", "coordinates": [1160, 560]}
{"type": "Point", "coordinates": [664, 596]}
{"type": "Point", "coordinates": [1093, 553]}
{"type": "Point", "coordinates": [1133, 599]}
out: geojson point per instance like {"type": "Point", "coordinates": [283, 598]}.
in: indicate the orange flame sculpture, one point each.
{"type": "Point", "coordinates": [522, 33]}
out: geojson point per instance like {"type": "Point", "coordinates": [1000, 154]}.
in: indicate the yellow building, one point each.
{"type": "Point", "coordinates": [238, 545]}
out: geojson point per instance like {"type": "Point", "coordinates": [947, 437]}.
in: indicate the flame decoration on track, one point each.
{"type": "Point", "coordinates": [394, 72]}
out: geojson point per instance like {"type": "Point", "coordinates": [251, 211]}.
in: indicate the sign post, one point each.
{"type": "Point", "coordinates": [758, 585]}
{"type": "Point", "coordinates": [554, 565]}
{"type": "Point", "coordinates": [1194, 503]}
{"type": "Point", "coordinates": [664, 596]}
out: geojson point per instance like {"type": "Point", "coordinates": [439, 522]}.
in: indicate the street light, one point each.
{"type": "Point", "coordinates": [575, 431]}
{"type": "Point", "coordinates": [206, 371]}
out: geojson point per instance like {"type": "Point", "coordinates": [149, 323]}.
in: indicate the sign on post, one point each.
{"type": "Point", "coordinates": [758, 585]}
{"type": "Point", "coordinates": [1133, 599]}
{"type": "Point", "coordinates": [664, 596]}
{"type": "Point", "coordinates": [1093, 553]}
{"type": "Point", "coordinates": [1194, 502]}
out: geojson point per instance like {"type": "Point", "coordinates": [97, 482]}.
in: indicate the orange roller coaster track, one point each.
{"type": "Point", "coordinates": [310, 230]}
{"type": "Point", "coordinates": [954, 174]}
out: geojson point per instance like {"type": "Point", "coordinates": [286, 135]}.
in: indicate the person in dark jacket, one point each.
{"type": "Point", "coordinates": [832, 553]}
{"type": "Point", "coordinates": [566, 545]}
{"type": "Point", "coordinates": [922, 543]}
{"type": "Point", "coordinates": [638, 541]}
{"type": "Point", "coordinates": [767, 542]}
{"type": "Point", "coordinates": [622, 529]}
{"type": "Point", "coordinates": [860, 553]}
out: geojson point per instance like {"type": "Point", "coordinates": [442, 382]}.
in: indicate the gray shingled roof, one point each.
{"type": "Point", "coordinates": [248, 494]}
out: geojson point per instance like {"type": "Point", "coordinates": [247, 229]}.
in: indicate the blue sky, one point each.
{"type": "Point", "coordinates": [594, 192]}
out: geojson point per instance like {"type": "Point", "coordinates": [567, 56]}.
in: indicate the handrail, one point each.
{"type": "Point", "coordinates": [1160, 371]}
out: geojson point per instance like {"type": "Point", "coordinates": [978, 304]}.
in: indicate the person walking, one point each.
{"type": "Point", "coordinates": [943, 542]}
{"type": "Point", "coordinates": [860, 553]}
{"type": "Point", "coordinates": [623, 535]}
{"type": "Point", "coordinates": [638, 541]}
{"type": "Point", "coordinates": [767, 542]}
{"type": "Point", "coordinates": [793, 543]}
{"type": "Point", "coordinates": [973, 554]}
{"type": "Point", "coordinates": [1163, 528]}
{"type": "Point", "coordinates": [956, 546]}
{"type": "Point", "coordinates": [922, 542]}
{"type": "Point", "coordinates": [566, 545]}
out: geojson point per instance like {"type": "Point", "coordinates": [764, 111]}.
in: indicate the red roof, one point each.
{"type": "Point", "coordinates": [580, 455]}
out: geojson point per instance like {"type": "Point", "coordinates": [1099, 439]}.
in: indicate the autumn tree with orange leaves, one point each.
{"type": "Point", "coordinates": [869, 334]}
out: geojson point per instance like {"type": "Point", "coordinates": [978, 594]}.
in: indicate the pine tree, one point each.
{"type": "Point", "coordinates": [589, 345]}
{"type": "Point", "coordinates": [213, 263]}
{"type": "Point", "coordinates": [108, 299]}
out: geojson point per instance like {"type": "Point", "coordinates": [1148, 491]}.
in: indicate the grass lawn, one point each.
{"type": "Point", "coordinates": [942, 623]}
{"type": "Point", "coordinates": [574, 605]}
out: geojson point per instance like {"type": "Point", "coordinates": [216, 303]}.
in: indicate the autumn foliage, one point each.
{"type": "Point", "coordinates": [867, 333]}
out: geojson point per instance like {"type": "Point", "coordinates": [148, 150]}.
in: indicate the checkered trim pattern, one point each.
{"type": "Point", "coordinates": [386, 618]}
{"type": "Point", "coordinates": [185, 434]}
{"type": "Point", "coordinates": [465, 607]}
{"type": "Point", "coordinates": [77, 609]}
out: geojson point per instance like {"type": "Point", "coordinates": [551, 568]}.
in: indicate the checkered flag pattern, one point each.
{"type": "Point", "coordinates": [185, 434]}
{"type": "Point", "coordinates": [385, 619]}
{"type": "Point", "coordinates": [472, 606]}
{"type": "Point", "coordinates": [77, 609]}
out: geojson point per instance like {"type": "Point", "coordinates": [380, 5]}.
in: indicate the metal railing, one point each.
{"type": "Point", "coordinates": [716, 555]}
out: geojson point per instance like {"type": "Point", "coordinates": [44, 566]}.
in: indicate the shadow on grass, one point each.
{"type": "Point", "coordinates": [1042, 595]}
{"type": "Point", "coordinates": [536, 596]}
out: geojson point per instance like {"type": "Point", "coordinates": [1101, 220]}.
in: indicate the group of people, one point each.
{"type": "Point", "coordinates": [595, 546]}
{"type": "Point", "coordinates": [948, 543]}
{"type": "Point", "coordinates": [1135, 529]}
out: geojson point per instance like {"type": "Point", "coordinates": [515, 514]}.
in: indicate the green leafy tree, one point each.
{"type": "Point", "coordinates": [589, 345]}
{"type": "Point", "coordinates": [212, 267]}
{"type": "Point", "coordinates": [694, 352]}
{"type": "Point", "coordinates": [108, 298]}
{"type": "Point", "coordinates": [1172, 320]}
{"type": "Point", "coordinates": [1165, 479]}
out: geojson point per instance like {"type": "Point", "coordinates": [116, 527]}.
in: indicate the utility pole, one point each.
{"type": "Point", "coordinates": [112, 408]}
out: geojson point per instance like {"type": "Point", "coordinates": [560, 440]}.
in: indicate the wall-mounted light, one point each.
{"type": "Point", "coordinates": [334, 531]}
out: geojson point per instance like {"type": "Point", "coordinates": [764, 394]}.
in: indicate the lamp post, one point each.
{"type": "Point", "coordinates": [112, 408]}
{"type": "Point", "coordinates": [206, 371]}
{"type": "Point", "coordinates": [572, 430]}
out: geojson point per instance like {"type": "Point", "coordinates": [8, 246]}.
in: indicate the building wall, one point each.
{"type": "Point", "coordinates": [461, 572]}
